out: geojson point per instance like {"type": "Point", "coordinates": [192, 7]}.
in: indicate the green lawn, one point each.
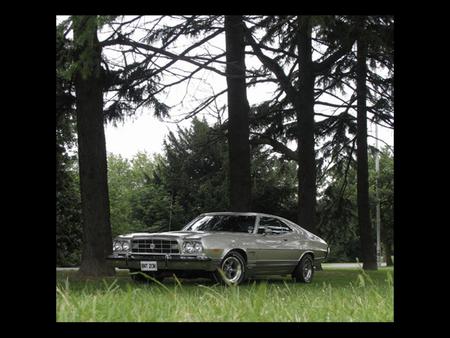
{"type": "Point", "coordinates": [335, 295]}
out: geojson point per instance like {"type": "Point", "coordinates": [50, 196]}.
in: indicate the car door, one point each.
{"type": "Point", "coordinates": [277, 251]}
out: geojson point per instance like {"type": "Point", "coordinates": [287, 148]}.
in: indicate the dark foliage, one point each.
{"type": "Point", "coordinates": [68, 215]}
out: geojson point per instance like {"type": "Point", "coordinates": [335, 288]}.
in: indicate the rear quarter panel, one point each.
{"type": "Point", "coordinates": [314, 244]}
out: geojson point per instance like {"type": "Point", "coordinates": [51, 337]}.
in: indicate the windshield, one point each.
{"type": "Point", "coordinates": [229, 223]}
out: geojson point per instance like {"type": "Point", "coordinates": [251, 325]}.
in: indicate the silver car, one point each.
{"type": "Point", "coordinates": [227, 246]}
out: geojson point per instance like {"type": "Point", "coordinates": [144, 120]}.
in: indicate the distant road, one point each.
{"type": "Point", "coordinates": [325, 266]}
{"type": "Point", "coordinates": [344, 265]}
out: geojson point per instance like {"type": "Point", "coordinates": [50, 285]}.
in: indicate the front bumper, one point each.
{"type": "Point", "coordinates": [164, 262]}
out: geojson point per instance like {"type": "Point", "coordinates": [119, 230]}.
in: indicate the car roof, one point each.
{"type": "Point", "coordinates": [240, 213]}
{"type": "Point", "coordinates": [244, 213]}
{"type": "Point", "coordinates": [232, 213]}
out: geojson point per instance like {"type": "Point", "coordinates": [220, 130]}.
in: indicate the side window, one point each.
{"type": "Point", "coordinates": [274, 226]}
{"type": "Point", "coordinates": [237, 224]}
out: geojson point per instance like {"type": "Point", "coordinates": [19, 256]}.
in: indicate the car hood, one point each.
{"type": "Point", "coordinates": [167, 234]}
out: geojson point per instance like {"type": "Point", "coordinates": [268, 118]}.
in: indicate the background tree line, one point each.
{"type": "Point", "coordinates": [244, 163]}
{"type": "Point", "coordinates": [158, 192]}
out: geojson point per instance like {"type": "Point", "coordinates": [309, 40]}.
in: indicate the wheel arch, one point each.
{"type": "Point", "coordinates": [239, 250]}
{"type": "Point", "coordinates": [307, 252]}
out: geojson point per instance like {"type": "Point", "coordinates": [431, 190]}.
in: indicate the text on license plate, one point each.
{"type": "Point", "coordinates": [149, 266]}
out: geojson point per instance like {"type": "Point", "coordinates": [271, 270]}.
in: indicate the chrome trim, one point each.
{"type": "Point", "coordinates": [168, 256]}
{"type": "Point", "coordinates": [154, 245]}
{"type": "Point", "coordinates": [272, 260]}
{"type": "Point", "coordinates": [160, 254]}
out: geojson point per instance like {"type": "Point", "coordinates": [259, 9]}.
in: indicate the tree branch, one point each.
{"type": "Point", "coordinates": [273, 66]}
{"type": "Point", "coordinates": [322, 67]}
{"type": "Point", "coordinates": [182, 56]}
{"type": "Point", "coordinates": [277, 146]}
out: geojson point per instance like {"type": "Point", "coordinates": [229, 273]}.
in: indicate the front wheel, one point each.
{"type": "Point", "coordinates": [232, 269]}
{"type": "Point", "coordinates": [305, 270]}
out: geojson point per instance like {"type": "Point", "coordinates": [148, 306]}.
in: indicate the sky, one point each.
{"type": "Point", "coordinates": [144, 132]}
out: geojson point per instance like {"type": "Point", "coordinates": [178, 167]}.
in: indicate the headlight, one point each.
{"type": "Point", "coordinates": [121, 246]}
{"type": "Point", "coordinates": [188, 247]}
{"type": "Point", "coordinates": [117, 246]}
{"type": "Point", "coordinates": [192, 247]}
{"type": "Point", "coordinates": [198, 247]}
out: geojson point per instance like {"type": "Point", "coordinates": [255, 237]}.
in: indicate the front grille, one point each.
{"type": "Point", "coordinates": [152, 245]}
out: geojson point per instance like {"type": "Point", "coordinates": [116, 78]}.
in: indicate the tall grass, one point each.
{"type": "Point", "coordinates": [335, 295]}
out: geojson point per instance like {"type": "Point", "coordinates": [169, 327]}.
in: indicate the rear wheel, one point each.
{"type": "Point", "coordinates": [232, 269]}
{"type": "Point", "coordinates": [304, 271]}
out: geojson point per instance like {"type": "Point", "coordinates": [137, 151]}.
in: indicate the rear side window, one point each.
{"type": "Point", "coordinates": [276, 226]}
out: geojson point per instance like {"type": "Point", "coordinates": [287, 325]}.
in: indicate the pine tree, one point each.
{"type": "Point", "coordinates": [297, 105]}
{"type": "Point", "coordinates": [97, 238]}
{"type": "Point", "coordinates": [238, 111]}
{"type": "Point", "coordinates": [365, 228]}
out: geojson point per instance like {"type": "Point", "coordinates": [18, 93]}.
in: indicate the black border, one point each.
{"type": "Point", "coordinates": [38, 219]}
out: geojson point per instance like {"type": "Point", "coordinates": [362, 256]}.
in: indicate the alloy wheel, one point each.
{"type": "Point", "coordinates": [232, 269]}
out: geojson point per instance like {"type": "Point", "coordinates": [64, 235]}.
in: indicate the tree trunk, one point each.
{"type": "Point", "coordinates": [306, 172]}
{"type": "Point", "coordinates": [388, 253]}
{"type": "Point", "coordinates": [238, 111]}
{"type": "Point", "coordinates": [305, 124]}
{"type": "Point", "coordinates": [387, 243]}
{"type": "Point", "coordinates": [365, 228]}
{"type": "Point", "coordinates": [97, 238]}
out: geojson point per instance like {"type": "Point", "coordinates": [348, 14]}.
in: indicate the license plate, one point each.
{"type": "Point", "coordinates": [149, 266]}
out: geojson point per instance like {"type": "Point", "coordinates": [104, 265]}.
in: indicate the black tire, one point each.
{"type": "Point", "coordinates": [304, 271]}
{"type": "Point", "coordinates": [233, 269]}
{"type": "Point", "coordinates": [138, 277]}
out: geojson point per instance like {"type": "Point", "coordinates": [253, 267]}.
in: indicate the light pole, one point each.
{"type": "Point", "coordinates": [170, 211]}
{"type": "Point", "coordinates": [377, 170]}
